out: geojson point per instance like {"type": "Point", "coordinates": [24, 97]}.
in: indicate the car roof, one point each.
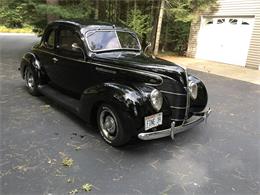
{"type": "Point", "coordinates": [86, 25]}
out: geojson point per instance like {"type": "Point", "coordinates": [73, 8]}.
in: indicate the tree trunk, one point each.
{"type": "Point", "coordinates": [50, 17]}
{"type": "Point", "coordinates": [102, 12]}
{"type": "Point", "coordinates": [123, 10]}
{"type": "Point", "coordinates": [152, 9]}
{"type": "Point", "coordinates": [96, 9]}
{"type": "Point", "coordinates": [164, 47]}
{"type": "Point", "coordinates": [159, 27]}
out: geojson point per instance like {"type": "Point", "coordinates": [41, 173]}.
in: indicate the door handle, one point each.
{"type": "Point", "coordinates": [55, 60]}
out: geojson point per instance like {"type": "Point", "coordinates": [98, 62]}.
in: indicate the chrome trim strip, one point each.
{"type": "Point", "coordinates": [139, 71]}
{"type": "Point", "coordinates": [190, 123]}
{"type": "Point", "coordinates": [188, 99]}
{"type": "Point", "coordinates": [155, 134]}
{"type": "Point", "coordinates": [26, 59]}
{"type": "Point", "coordinates": [158, 76]}
{"type": "Point", "coordinates": [176, 107]}
{"type": "Point", "coordinates": [176, 119]}
{"type": "Point", "coordinates": [105, 70]}
{"type": "Point", "coordinates": [172, 93]}
{"type": "Point", "coordinates": [37, 63]}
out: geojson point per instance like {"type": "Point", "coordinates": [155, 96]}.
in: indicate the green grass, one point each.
{"type": "Point", "coordinates": [25, 29]}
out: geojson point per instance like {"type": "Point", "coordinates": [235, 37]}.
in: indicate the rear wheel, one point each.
{"type": "Point", "coordinates": [111, 126]}
{"type": "Point", "coordinates": [31, 81]}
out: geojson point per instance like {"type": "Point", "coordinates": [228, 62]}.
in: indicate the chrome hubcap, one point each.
{"type": "Point", "coordinates": [29, 79]}
{"type": "Point", "coordinates": [108, 123]}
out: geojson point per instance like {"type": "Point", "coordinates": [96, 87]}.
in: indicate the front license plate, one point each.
{"type": "Point", "coordinates": [153, 121]}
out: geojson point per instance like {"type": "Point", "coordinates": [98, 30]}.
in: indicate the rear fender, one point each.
{"type": "Point", "coordinates": [30, 59]}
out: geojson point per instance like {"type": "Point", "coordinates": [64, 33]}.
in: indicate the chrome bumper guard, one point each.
{"type": "Point", "coordinates": [191, 122]}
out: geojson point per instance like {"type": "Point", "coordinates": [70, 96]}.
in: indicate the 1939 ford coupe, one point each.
{"type": "Point", "coordinates": [99, 72]}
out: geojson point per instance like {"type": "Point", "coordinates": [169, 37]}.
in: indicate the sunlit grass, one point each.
{"type": "Point", "coordinates": [26, 29]}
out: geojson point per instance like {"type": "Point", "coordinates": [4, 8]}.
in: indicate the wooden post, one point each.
{"type": "Point", "coordinates": [159, 27]}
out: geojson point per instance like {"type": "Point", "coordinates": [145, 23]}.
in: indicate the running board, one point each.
{"type": "Point", "coordinates": [63, 100]}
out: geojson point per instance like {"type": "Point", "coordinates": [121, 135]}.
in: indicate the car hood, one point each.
{"type": "Point", "coordinates": [141, 61]}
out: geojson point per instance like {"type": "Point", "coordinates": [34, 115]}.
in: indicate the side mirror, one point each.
{"type": "Point", "coordinates": [76, 47]}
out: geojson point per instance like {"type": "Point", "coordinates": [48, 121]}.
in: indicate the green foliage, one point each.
{"type": "Point", "coordinates": [139, 22]}
{"type": "Point", "coordinates": [11, 14]}
{"type": "Point", "coordinates": [177, 37]}
{"type": "Point", "coordinates": [12, 18]}
{"type": "Point", "coordinates": [177, 21]}
{"type": "Point", "coordinates": [180, 41]}
{"type": "Point", "coordinates": [14, 14]}
{"type": "Point", "coordinates": [140, 15]}
{"type": "Point", "coordinates": [188, 10]}
{"type": "Point", "coordinates": [66, 10]}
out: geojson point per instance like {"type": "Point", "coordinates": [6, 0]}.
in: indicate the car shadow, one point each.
{"type": "Point", "coordinates": [135, 145]}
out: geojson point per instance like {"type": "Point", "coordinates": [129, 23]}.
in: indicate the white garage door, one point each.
{"type": "Point", "coordinates": [225, 39]}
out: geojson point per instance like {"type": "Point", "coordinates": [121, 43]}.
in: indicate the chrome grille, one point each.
{"type": "Point", "coordinates": [177, 105]}
{"type": "Point", "coordinates": [188, 98]}
{"type": "Point", "coordinates": [178, 98]}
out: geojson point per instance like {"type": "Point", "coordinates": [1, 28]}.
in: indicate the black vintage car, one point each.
{"type": "Point", "coordinates": [99, 72]}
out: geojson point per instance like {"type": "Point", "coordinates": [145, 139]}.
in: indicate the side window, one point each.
{"type": "Point", "coordinates": [50, 41]}
{"type": "Point", "coordinates": [67, 38]}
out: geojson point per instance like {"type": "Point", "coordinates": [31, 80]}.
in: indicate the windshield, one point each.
{"type": "Point", "coordinates": [112, 40]}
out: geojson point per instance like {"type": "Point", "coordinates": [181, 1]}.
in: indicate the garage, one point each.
{"type": "Point", "coordinates": [225, 39]}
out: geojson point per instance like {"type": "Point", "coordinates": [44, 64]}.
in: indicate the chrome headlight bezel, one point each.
{"type": "Point", "coordinates": [156, 99]}
{"type": "Point", "coordinates": [193, 89]}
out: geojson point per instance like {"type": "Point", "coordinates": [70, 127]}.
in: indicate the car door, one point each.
{"type": "Point", "coordinates": [47, 52]}
{"type": "Point", "coordinates": [74, 73]}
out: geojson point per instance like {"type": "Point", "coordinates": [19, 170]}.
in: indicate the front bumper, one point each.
{"type": "Point", "coordinates": [191, 122]}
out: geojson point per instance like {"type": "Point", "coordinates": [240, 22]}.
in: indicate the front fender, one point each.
{"type": "Point", "coordinates": [131, 101]}
{"type": "Point", "coordinates": [200, 103]}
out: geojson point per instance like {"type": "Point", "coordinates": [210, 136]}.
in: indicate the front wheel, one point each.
{"type": "Point", "coordinates": [31, 81]}
{"type": "Point", "coordinates": [111, 126]}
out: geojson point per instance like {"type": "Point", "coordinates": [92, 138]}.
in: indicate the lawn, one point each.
{"type": "Point", "coordinates": [25, 29]}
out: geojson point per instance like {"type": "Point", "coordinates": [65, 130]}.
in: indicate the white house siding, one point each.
{"type": "Point", "coordinates": [234, 8]}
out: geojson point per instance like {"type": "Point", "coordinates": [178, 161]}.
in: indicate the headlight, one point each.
{"type": "Point", "coordinates": [156, 99]}
{"type": "Point", "coordinates": [193, 88]}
